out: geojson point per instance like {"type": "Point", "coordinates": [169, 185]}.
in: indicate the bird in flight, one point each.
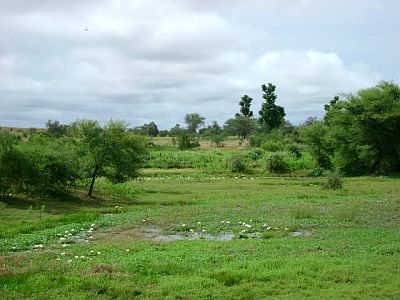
{"type": "Point", "coordinates": [86, 28]}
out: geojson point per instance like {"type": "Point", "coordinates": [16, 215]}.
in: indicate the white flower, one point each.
{"type": "Point", "coordinates": [98, 252]}
{"type": "Point", "coordinates": [228, 222]}
{"type": "Point", "coordinates": [276, 228]}
{"type": "Point", "coordinates": [264, 225]}
{"type": "Point", "coordinates": [143, 220]}
{"type": "Point", "coordinates": [198, 223]}
{"type": "Point", "coordinates": [58, 258]}
{"type": "Point", "coordinates": [268, 228]}
{"type": "Point", "coordinates": [191, 230]}
{"type": "Point", "coordinates": [82, 256]}
{"type": "Point", "coordinates": [203, 230]}
{"type": "Point", "coordinates": [183, 225]}
{"type": "Point", "coordinates": [63, 253]}
{"type": "Point", "coordinates": [66, 231]}
{"type": "Point", "coordinates": [76, 256]}
{"type": "Point", "coordinates": [93, 225]}
{"type": "Point", "coordinates": [65, 245]}
{"type": "Point", "coordinates": [69, 260]}
{"type": "Point", "coordinates": [127, 250]}
{"type": "Point", "coordinates": [69, 234]}
{"type": "Point", "coordinates": [222, 222]}
{"type": "Point", "coordinates": [248, 225]}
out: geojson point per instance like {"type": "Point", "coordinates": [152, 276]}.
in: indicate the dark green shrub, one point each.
{"type": "Point", "coordinates": [255, 154]}
{"type": "Point", "coordinates": [333, 181]}
{"type": "Point", "coordinates": [238, 164]}
{"type": "Point", "coordinates": [187, 141]}
{"type": "Point", "coordinates": [316, 172]}
{"type": "Point", "coordinates": [276, 163]}
{"type": "Point", "coordinates": [294, 150]}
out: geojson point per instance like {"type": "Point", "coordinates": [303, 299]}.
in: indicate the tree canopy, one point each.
{"type": "Point", "coordinates": [271, 115]}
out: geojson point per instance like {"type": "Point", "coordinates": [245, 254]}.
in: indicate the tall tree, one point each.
{"type": "Point", "coordinates": [245, 105]}
{"type": "Point", "coordinates": [193, 122]}
{"type": "Point", "coordinates": [271, 115]}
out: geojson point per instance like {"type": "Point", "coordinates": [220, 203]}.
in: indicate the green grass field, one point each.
{"type": "Point", "coordinates": [188, 235]}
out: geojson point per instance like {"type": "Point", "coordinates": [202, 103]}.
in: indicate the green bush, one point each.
{"type": "Point", "coordinates": [294, 150]}
{"type": "Point", "coordinates": [271, 146]}
{"type": "Point", "coordinates": [238, 164]}
{"type": "Point", "coordinates": [333, 181]}
{"type": "Point", "coordinates": [276, 163]}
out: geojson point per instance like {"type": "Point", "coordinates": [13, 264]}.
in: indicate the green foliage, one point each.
{"type": "Point", "coordinates": [240, 126]}
{"type": "Point", "coordinates": [276, 163]}
{"type": "Point", "coordinates": [364, 129]}
{"type": "Point", "coordinates": [238, 164]}
{"type": "Point", "coordinates": [271, 115]}
{"type": "Point", "coordinates": [149, 129]}
{"type": "Point", "coordinates": [55, 128]}
{"type": "Point", "coordinates": [294, 149]}
{"type": "Point", "coordinates": [315, 136]}
{"type": "Point", "coordinates": [245, 105]}
{"type": "Point", "coordinates": [41, 165]}
{"type": "Point", "coordinates": [271, 146]}
{"type": "Point", "coordinates": [333, 180]}
{"type": "Point", "coordinates": [187, 141]}
{"type": "Point", "coordinates": [109, 151]}
{"type": "Point", "coordinates": [193, 122]}
{"type": "Point", "coordinates": [218, 140]}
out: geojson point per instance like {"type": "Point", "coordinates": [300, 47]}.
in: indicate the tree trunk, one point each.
{"type": "Point", "coordinates": [93, 179]}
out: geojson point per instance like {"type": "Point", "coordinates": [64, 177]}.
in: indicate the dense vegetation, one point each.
{"type": "Point", "coordinates": [253, 209]}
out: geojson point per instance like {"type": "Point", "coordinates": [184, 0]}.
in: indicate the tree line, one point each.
{"type": "Point", "coordinates": [359, 134]}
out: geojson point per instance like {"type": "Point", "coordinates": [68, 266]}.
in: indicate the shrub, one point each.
{"type": "Point", "coordinates": [238, 164]}
{"type": "Point", "coordinates": [271, 146]}
{"type": "Point", "coordinates": [316, 172]}
{"type": "Point", "coordinates": [294, 150]}
{"type": "Point", "coordinates": [276, 163]}
{"type": "Point", "coordinates": [255, 154]}
{"type": "Point", "coordinates": [333, 181]}
{"type": "Point", "coordinates": [187, 141]}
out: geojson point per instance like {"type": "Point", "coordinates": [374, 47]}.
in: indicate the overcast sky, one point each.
{"type": "Point", "coordinates": [143, 60]}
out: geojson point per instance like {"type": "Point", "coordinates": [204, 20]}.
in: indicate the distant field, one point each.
{"type": "Point", "coordinates": [229, 143]}
{"type": "Point", "coordinates": [184, 234]}
{"type": "Point", "coordinates": [20, 129]}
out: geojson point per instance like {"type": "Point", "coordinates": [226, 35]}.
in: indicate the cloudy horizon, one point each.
{"type": "Point", "coordinates": [143, 61]}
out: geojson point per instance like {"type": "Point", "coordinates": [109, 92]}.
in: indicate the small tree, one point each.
{"type": "Point", "coordinates": [110, 151]}
{"type": "Point", "coordinates": [271, 115]}
{"type": "Point", "coordinates": [150, 129]}
{"type": "Point", "coordinates": [241, 126]}
{"type": "Point", "coordinates": [55, 128]}
{"type": "Point", "coordinates": [193, 122]}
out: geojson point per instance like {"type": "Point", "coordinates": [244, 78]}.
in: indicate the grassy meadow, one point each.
{"type": "Point", "coordinates": [185, 233]}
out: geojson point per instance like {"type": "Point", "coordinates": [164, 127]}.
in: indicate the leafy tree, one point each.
{"type": "Point", "coordinates": [241, 126]}
{"type": "Point", "coordinates": [271, 115]}
{"type": "Point", "coordinates": [187, 141]}
{"type": "Point", "coordinates": [55, 128]}
{"type": "Point", "coordinates": [364, 129]}
{"type": "Point", "coordinates": [193, 122]}
{"type": "Point", "coordinates": [150, 129]}
{"type": "Point", "coordinates": [110, 151]}
{"type": "Point", "coordinates": [245, 105]}
{"type": "Point", "coordinates": [315, 136]}
{"type": "Point", "coordinates": [176, 131]}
